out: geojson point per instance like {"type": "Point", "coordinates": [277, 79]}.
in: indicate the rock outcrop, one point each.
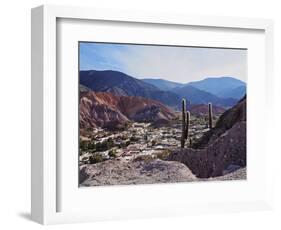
{"type": "Point", "coordinates": [113, 172]}
{"type": "Point", "coordinates": [226, 121]}
{"type": "Point", "coordinates": [106, 109]}
{"type": "Point", "coordinates": [219, 148]}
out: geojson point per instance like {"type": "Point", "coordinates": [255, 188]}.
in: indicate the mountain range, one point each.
{"type": "Point", "coordinates": [122, 84]}
{"type": "Point", "coordinates": [223, 87]}
{"type": "Point", "coordinates": [221, 91]}
{"type": "Point", "coordinates": [197, 96]}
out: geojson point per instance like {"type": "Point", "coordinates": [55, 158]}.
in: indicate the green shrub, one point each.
{"type": "Point", "coordinates": [83, 145]}
{"type": "Point", "coordinates": [91, 145]}
{"type": "Point", "coordinates": [134, 139]}
{"type": "Point", "coordinates": [112, 153]}
{"type": "Point", "coordinates": [95, 158]}
{"type": "Point", "coordinates": [105, 145]}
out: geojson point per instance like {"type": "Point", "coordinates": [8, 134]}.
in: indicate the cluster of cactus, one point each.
{"type": "Point", "coordinates": [186, 121]}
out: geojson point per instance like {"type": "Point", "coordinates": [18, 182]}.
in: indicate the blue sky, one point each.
{"type": "Point", "coordinates": [180, 64]}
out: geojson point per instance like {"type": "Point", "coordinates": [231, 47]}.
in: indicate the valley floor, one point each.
{"type": "Point", "coordinates": [140, 139]}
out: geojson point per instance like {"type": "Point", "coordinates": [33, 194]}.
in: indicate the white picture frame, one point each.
{"type": "Point", "coordinates": [45, 167]}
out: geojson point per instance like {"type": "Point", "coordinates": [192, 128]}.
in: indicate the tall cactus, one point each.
{"type": "Point", "coordinates": [187, 124]}
{"type": "Point", "coordinates": [183, 123]}
{"type": "Point", "coordinates": [210, 116]}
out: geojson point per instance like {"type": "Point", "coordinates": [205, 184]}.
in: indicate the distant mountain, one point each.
{"type": "Point", "coordinates": [237, 93]}
{"type": "Point", "coordinates": [106, 110]}
{"type": "Point", "coordinates": [221, 86]}
{"type": "Point", "coordinates": [122, 84]}
{"type": "Point", "coordinates": [163, 84]}
{"type": "Point", "coordinates": [197, 96]}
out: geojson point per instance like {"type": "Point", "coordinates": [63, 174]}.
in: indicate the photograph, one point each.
{"type": "Point", "coordinates": [151, 114]}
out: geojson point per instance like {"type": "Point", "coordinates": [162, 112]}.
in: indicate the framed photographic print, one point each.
{"type": "Point", "coordinates": [139, 114]}
{"type": "Point", "coordinates": [136, 130]}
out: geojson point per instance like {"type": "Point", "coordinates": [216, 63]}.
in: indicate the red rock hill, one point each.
{"type": "Point", "coordinates": [99, 109]}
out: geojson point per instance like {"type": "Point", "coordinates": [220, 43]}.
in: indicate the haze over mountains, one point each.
{"type": "Point", "coordinates": [224, 87]}
{"type": "Point", "coordinates": [222, 91]}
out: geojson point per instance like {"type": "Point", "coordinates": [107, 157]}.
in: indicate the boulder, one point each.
{"type": "Point", "coordinates": [120, 172]}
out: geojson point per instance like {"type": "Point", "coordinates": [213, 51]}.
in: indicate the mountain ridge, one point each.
{"type": "Point", "coordinates": [232, 87]}
{"type": "Point", "coordinates": [162, 83]}
{"type": "Point", "coordinates": [198, 92]}
{"type": "Point", "coordinates": [122, 84]}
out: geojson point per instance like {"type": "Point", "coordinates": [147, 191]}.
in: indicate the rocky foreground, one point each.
{"type": "Point", "coordinates": [113, 172]}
